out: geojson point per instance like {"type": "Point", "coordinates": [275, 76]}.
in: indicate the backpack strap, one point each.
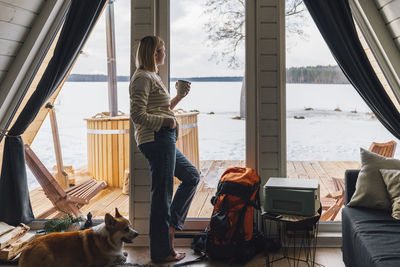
{"type": "Point", "coordinates": [257, 201]}
{"type": "Point", "coordinates": [237, 236]}
{"type": "Point", "coordinates": [236, 189]}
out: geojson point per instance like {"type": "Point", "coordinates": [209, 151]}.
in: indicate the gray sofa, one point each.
{"type": "Point", "coordinates": [370, 237]}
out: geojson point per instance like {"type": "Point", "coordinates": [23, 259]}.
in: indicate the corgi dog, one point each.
{"type": "Point", "coordinates": [98, 246]}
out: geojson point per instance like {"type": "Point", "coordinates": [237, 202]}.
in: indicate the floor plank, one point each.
{"type": "Point", "coordinates": [311, 173]}
{"type": "Point", "coordinates": [301, 172]}
{"type": "Point", "coordinates": [207, 209]}
{"type": "Point", "coordinates": [332, 169]}
{"type": "Point", "coordinates": [308, 166]}
{"type": "Point", "coordinates": [324, 177]}
{"type": "Point", "coordinates": [198, 201]}
{"type": "Point", "coordinates": [290, 170]}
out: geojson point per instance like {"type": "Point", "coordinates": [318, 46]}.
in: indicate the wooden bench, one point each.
{"type": "Point", "coordinates": [338, 196]}
{"type": "Point", "coordinates": [69, 200]}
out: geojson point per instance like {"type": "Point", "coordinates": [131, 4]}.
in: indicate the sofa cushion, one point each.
{"type": "Point", "coordinates": [392, 182]}
{"type": "Point", "coordinates": [370, 189]}
{"type": "Point", "coordinates": [370, 238]}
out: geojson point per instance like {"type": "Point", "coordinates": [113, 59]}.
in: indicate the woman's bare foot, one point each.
{"type": "Point", "coordinates": [176, 254]}
{"type": "Point", "coordinates": [176, 257]}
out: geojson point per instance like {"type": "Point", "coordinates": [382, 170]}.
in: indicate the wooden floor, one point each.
{"type": "Point", "coordinates": [210, 170]}
{"type": "Point", "coordinates": [328, 257]}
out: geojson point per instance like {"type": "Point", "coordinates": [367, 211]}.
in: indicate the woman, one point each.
{"type": "Point", "coordinates": [155, 134]}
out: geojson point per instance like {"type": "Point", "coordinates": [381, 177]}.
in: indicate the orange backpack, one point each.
{"type": "Point", "coordinates": [230, 233]}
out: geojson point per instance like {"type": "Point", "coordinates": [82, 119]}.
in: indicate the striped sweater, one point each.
{"type": "Point", "coordinates": [150, 104]}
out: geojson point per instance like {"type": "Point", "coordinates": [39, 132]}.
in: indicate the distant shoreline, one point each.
{"type": "Point", "coordinates": [309, 74]}
{"type": "Point", "coordinates": [103, 78]}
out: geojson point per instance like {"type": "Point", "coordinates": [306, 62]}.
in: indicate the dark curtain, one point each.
{"type": "Point", "coordinates": [15, 206]}
{"type": "Point", "coordinates": [335, 22]}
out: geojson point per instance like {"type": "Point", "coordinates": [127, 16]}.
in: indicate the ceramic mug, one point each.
{"type": "Point", "coordinates": [181, 87]}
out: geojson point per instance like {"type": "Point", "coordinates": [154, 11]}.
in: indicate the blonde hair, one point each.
{"type": "Point", "coordinates": [145, 54]}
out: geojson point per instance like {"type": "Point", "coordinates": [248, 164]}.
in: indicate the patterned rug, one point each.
{"type": "Point", "coordinates": [136, 264]}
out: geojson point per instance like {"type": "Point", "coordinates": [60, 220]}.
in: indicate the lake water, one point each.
{"type": "Point", "coordinates": [323, 134]}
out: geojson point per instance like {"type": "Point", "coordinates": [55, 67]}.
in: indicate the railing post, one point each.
{"type": "Point", "coordinates": [61, 176]}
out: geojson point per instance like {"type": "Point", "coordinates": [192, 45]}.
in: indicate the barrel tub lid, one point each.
{"type": "Point", "coordinates": [104, 117]}
{"type": "Point", "coordinates": [183, 113]}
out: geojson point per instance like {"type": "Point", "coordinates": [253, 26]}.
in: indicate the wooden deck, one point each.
{"type": "Point", "coordinates": [211, 170]}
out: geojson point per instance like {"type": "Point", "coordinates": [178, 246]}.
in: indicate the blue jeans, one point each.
{"type": "Point", "coordinates": [165, 162]}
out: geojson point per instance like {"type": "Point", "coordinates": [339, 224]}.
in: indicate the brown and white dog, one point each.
{"type": "Point", "coordinates": [98, 246]}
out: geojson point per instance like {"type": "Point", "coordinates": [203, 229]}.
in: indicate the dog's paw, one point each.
{"type": "Point", "coordinates": [120, 259]}
{"type": "Point", "coordinates": [123, 258]}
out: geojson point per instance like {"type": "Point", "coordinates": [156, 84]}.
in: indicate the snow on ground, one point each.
{"type": "Point", "coordinates": [323, 134]}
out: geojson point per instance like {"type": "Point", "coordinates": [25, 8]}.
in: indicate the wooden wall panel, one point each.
{"type": "Point", "coordinates": [16, 15]}
{"type": "Point", "coordinates": [9, 48]}
{"type": "Point", "coordinates": [141, 193]}
{"type": "Point", "coordinates": [141, 209]}
{"type": "Point", "coordinates": [13, 32]}
{"type": "Point", "coordinates": [31, 5]}
{"type": "Point", "coordinates": [268, 46]}
{"type": "Point", "coordinates": [268, 78]}
{"type": "Point", "coordinates": [5, 61]}
{"type": "Point", "coordinates": [271, 121]}
{"type": "Point", "coordinates": [142, 24]}
{"type": "Point", "coordinates": [390, 12]}
{"type": "Point", "coordinates": [381, 3]}
{"type": "Point", "coordinates": [2, 74]}
{"type": "Point", "coordinates": [394, 28]}
{"type": "Point", "coordinates": [269, 112]}
{"type": "Point", "coordinates": [142, 177]}
{"type": "Point", "coordinates": [142, 226]}
{"type": "Point", "coordinates": [269, 128]}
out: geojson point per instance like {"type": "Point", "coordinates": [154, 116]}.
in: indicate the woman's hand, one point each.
{"type": "Point", "coordinates": [169, 122]}
{"type": "Point", "coordinates": [187, 90]}
{"type": "Point", "coordinates": [179, 97]}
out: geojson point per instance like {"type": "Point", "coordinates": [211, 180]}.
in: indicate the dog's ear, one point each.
{"type": "Point", "coordinates": [117, 215]}
{"type": "Point", "coordinates": [109, 219]}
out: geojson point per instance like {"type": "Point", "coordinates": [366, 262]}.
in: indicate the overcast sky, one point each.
{"type": "Point", "coordinates": [190, 54]}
